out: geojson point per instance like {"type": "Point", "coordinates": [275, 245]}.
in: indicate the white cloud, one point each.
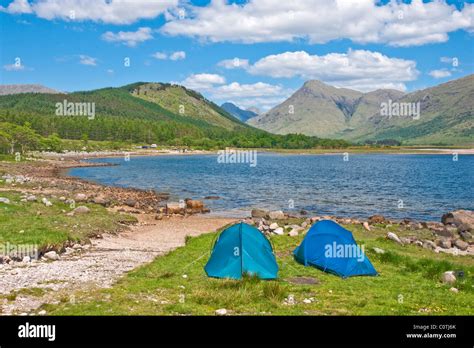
{"type": "Point", "coordinates": [261, 103]}
{"type": "Point", "coordinates": [129, 38]}
{"type": "Point", "coordinates": [260, 94]}
{"type": "Point", "coordinates": [113, 12]}
{"type": "Point", "coordinates": [203, 82]}
{"type": "Point", "coordinates": [359, 69]}
{"type": "Point", "coordinates": [17, 7]}
{"type": "Point", "coordinates": [87, 60]}
{"type": "Point", "coordinates": [14, 67]}
{"type": "Point", "coordinates": [320, 21]}
{"type": "Point", "coordinates": [178, 55]}
{"type": "Point", "coordinates": [160, 55]}
{"type": "Point", "coordinates": [439, 74]}
{"type": "Point", "coordinates": [237, 90]}
{"type": "Point", "coordinates": [235, 63]}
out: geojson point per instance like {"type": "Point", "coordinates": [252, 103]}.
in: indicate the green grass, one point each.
{"type": "Point", "coordinates": [10, 158]}
{"type": "Point", "coordinates": [33, 223]}
{"type": "Point", "coordinates": [408, 284]}
{"type": "Point", "coordinates": [35, 292]}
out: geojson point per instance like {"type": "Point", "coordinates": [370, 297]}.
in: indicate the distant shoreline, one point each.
{"type": "Point", "coordinates": [390, 151]}
{"type": "Point", "coordinates": [361, 151]}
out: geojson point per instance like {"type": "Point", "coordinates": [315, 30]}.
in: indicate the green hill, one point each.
{"type": "Point", "coordinates": [182, 101]}
{"type": "Point", "coordinates": [118, 116]}
{"type": "Point", "coordinates": [145, 113]}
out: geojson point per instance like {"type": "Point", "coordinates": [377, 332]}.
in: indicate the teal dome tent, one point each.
{"type": "Point", "coordinates": [242, 249]}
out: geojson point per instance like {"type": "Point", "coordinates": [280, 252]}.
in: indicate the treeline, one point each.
{"type": "Point", "coordinates": [123, 118]}
{"type": "Point", "coordinates": [15, 138]}
{"type": "Point", "coordinates": [383, 142]}
{"type": "Point", "coordinates": [36, 135]}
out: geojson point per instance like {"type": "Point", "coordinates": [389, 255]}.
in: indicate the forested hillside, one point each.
{"type": "Point", "coordinates": [122, 115]}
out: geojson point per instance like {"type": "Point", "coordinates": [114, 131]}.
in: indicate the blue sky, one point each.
{"type": "Point", "coordinates": [361, 45]}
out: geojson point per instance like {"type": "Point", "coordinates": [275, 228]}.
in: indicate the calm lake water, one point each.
{"type": "Point", "coordinates": [397, 186]}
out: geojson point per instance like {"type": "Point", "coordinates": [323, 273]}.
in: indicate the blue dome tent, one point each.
{"type": "Point", "coordinates": [242, 249]}
{"type": "Point", "coordinates": [331, 248]}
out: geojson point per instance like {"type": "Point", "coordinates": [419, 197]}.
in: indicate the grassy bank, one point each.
{"type": "Point", "coordinates": [176, 284]}
{"type": "Point", "coordinates": [49, 227]}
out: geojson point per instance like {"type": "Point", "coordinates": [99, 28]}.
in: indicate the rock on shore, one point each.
{"type": "Point", "coordinates": [459, 218]}
{"type": "Point", "coordinates": [188, 207]}
{"type": "Point", "coordinates": [267, 214]}
{"type": "Point", "coordinates": [454, 236]}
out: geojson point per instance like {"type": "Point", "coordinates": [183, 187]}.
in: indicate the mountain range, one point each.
{"type": "Point", "coordinates": [166, 112]}
{"type": "Point", "coordinates": [140, 113]}
{"type": "Point", "coordinates": [446, 114]}
{"type": "Point", "coordinates": [32, 88]}
{"type": "Point", "coordinates": [238, 113]}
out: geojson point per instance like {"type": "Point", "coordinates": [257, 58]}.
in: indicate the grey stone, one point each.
{"type": "Point", "coordinates": [293, 233]}
{"type": "Point", "coordinates": [394, 237]}
{"type": "Point", "coordinates": [172, 207]}
{"type": "Point", "coordinates": [276, 215]}
{"type": "Point", "coordinates": [81, 210]}
{"type": "Point", "coordinates": [376, 219]}
{"type": "Point", "coordinates": [464, 218]}
{"type": "Point", "coordinates": [221, 311]}
{"type": "Point", "coordinates": [80, 197]}
{"type": "Point", "coordinates": [465, 236]}
{"type": "Point", "coordinates": [51, 255]}
{"type": "Point", "coordinates": [428, 244]}
{"type": "Point", "coordinates": [101, 200]}
{"type": "Point", "coordinates": [274, 226]}
{"type": "Point", "coordinates": [31, 198]}
{"type": "Point", "coordinates": [445, 243]}
{"type": "Point", "coordinates": [406, 240]}
{"type": "Point", "coordinates": [131, 203]}
{"type": "Point", "coordinates": [448, 277]}
{"type": "Point", "coordinates": [279, 231]}
{"type": "Point", "coordinates": [460, 244]}
{"type": "Point", "coordinates": [259, 213]}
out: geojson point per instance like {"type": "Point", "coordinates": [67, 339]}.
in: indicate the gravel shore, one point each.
{"type": "Point", "coordinates": [25, 286]}
{"type": "Point", "coordinates": [98, 265]}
